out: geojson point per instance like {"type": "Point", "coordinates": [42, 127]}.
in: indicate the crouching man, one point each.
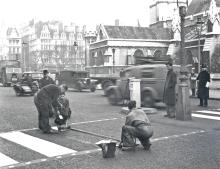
{"type": "Point", "coordinates": [137, 125]}
{"type": "Point", "coordinates": [43, 99]}
{"type": "Point", "coordinates": [64, 113]}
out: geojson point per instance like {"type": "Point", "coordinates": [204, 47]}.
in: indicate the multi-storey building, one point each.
{"type": "Point", "coordinates": [13, 44]}
{"type": "Point", "coordinates": [54, 46]}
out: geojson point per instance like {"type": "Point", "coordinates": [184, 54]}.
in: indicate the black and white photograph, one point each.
{"type": "Point", "coordinates": [110, 84]}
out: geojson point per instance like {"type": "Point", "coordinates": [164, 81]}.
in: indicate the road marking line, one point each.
{"type": "Point", "coordinates": [98, 150]}
{"type": "Point", "coordinates": [205, 116]}
{"type": "Point", "coordinates": [5, 160]}
{"type": "Point", "coordinates": [83, 122]}
{"type": "Point", "coordinates": [44, 147]}
{"type": "Point", "coordinates": [208, 112]}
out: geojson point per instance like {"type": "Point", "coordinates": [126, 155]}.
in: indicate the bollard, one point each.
{"type": "Point", "coordinates": [134, 87]}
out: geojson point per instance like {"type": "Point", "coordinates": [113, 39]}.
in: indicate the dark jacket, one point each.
{"type": "Point", "coordinates": [49, 95]}
{"type": "Point", "coordinates": [45, 81]}
{"type": "Point", "coordinates": [169, 96]}
{"type": "Point", "coordinates": [203, 78]}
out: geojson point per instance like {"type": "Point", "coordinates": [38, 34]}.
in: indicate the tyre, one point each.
{"type": "Point", "coordinates": [105, 85]}
{"type": "Point", "coordinates": [93, 89]}
{"type": "Point", "coordinates": [147, 99]}
{"type": "Point", "coordinates": [112, 97]}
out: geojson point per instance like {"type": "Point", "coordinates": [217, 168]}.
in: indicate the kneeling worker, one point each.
{"type": "Point", "coordinates": [137, 125]}
{"type": "Point", "coordinates": [46, 97]}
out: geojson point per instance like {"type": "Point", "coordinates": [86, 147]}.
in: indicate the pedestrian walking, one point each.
{"type": "Point", "coordinates": [46, 80]}
{"type": "Point", "coordinates": [193, 83]}
{"type": "Point", "coordinates": [137, 125]}
{"type": "Point", "coordinates": [203, 86]}
{"type": "Point", "coordinates": [43, 99]}
{"type": "Point", "coordinates": [169, 96]}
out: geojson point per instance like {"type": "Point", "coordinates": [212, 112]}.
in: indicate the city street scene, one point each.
{"type": "Point", "coordinates": [110, 85]}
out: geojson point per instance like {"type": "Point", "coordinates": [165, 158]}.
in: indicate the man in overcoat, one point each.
{"type": "Point", "coordinates": [169, 97]}
{"type": "Point", "coordinates": [203, 86]}
{"type": "Point", "coordinates": [46, 80]}
{"type": "Point", "coordinates": [43, 99]}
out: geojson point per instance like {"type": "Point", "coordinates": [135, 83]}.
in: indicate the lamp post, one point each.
{"type": "Point", "coordinates": [199, 30]}
{"type": "Point", "coordinates": [75, 45]}
{"type": "Point", "coordinates": [113, 60]}
{"type": "Point", "coordinates": [183, 105]}
{"type": "Point", "coordinates": [24, 56]}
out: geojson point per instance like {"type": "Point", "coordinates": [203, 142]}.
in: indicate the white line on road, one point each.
{"type": "Point", "coordinates": [5, 160]}
{"type": "Point", "coordinates": [208, 112]}
{"type": "Point", "coordinates": [44, 147]}
{"type": "Point", "coordinates": [205, 116]}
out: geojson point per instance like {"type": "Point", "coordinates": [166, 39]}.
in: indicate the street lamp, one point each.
{"type": "Point", "coordinates": [24, 56]}
{"type": "Point", "coordinates": [113, 60]}
{"type": "Point", "coordinates": [183, 105]}
{"type": "Point", "coordinates": [75, 45]}
{"type": "Point", "coordinates": [199, 30]}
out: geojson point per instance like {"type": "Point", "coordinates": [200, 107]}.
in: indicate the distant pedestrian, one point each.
{"type": "Point", "coordinates": [203, 86]}
{"type": "Point", "coordinates": [43, 99]}
{"type": "Point", "coordinates": [46, 80]}
{"type": "Point", "coordinates": [137, 125]}
{"type": "Point", "coordinates": [193, 83]}
{"type": "Point", "coordinates": [169, 96]}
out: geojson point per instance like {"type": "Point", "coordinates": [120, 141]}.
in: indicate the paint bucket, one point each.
{"type": "Point", "coordinates": [108, 148]}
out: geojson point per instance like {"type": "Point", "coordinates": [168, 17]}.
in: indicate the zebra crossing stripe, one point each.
{"type": "Point", "coordinates": [5, 160]}
{"type": "Point", "coordinates": [206, 117]}
{"type": "Point", "coordinates": [209, 112]}
{"type": "Point", "coordinates": [44, 147]}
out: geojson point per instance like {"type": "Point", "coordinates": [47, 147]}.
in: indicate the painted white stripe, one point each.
{"type": "Point", "coordinates": [44, 147]}
{"type": "Point", "coordinates": [209, 112]}
{"type": "Point", "coordinates": [5, 160]}
{"type": "Point", "coordinates": [206, 117]}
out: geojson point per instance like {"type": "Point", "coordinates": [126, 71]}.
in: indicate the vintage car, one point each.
{"type": "Point", "coordinates": [78, 80]}
{"type": "Point", "coordinates": [28, 84]}
{"type": "Point", "coordinates": [152, 77]}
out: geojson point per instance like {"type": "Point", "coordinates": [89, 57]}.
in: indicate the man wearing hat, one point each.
{"type": "Point", "coordinates": [43, 99]}
{"type": "Point", "coordinates": [203, 86]}
{"type": "Point", "coordinates": [169, 95]}
{"type": "Point", "coordinates": [46, 80]}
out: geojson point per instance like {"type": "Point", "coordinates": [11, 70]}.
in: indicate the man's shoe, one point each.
{"type": "Point", "coordinates": [147, 146]}
{"type": "Point", "coordinates": [51, 131]}
{"type": "Point", "coordinates": [200, 105]}
{"type": "Point", "coordinates": [166, 115]}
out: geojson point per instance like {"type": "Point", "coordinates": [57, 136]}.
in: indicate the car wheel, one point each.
{"type": "Point", "coordinates": [147, 99]}
{"type": "Point", "coordinates": [93, 89]}
{"type": "Point", "coordinates": [112, 97]}
{"type": "Point", "coordinates": [106, 85]}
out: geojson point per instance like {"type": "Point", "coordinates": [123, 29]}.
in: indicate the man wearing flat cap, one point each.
{"type": "Point", "coordinates": [169, 95]}
{"type": "Point", "coordinates": [203, 86]}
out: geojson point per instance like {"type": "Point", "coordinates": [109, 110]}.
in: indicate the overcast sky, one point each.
{"type": "Point", "coordinates": [88, 12]}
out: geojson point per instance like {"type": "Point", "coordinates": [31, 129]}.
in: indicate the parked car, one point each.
{"type": "Point", "coordinates": [78, 80]}
{"type": "Point", "coordinates": [152, 77]}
